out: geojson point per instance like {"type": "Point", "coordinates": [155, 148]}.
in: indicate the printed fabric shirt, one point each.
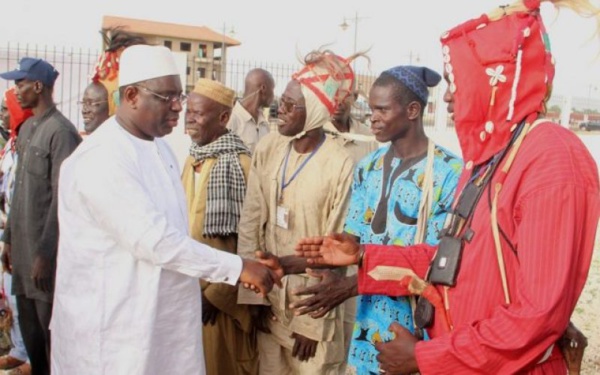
{"type": "Point", "coordinates": [396, 225]}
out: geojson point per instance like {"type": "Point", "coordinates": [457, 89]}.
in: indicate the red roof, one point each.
{"type": "Point", "coordinates": [172, 30]}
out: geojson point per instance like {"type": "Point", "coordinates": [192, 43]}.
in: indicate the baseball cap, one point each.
{"type": "Point", "coordinates": [34, 70]}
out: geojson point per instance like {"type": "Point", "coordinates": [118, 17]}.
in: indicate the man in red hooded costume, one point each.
{"type": "Point", "coordinates": [515, 255]}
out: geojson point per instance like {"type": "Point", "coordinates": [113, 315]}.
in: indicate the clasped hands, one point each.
{"type": "Point", "coordinates": [338, 249]}
{"type": "Point", "coordinates": [341, 249]}
{"type": "Point", "coordinates": [260, 276]}
{"type": "Point", "coordinates": [304, 348]}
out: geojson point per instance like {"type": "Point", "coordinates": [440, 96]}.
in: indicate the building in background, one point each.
{"type": "Point", "coordinates": [206, 49]}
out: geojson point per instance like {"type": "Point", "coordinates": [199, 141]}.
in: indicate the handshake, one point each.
{"type": "Point", "coordinates": [261, 276]}
{"type": "Point", "coordinates": [338, 249]}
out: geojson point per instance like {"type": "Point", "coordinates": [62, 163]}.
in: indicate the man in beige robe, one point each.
{"type": "Point", "coordinates": [214, 179]}
{"type": "Point", "coordinates": [349, 132]}
{"type": "Point", "coordinates": [299, 184]}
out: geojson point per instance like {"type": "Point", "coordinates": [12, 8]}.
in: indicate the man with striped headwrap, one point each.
{"type": "Point", "coordinates": [214, 178]}
{"type": "Point", "coordinates": [514, 257]}
{"type": "Point", "coordinates": [299, 186]}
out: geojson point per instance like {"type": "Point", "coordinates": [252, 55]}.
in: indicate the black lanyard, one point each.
{"type": "Point", "coordinates": [379, 221]}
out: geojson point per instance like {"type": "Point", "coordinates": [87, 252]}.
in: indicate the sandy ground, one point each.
{"type": "Point", "coordinates": [587, 315]}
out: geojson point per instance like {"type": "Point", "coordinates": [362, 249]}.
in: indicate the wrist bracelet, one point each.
{"type": "Point", "coordinates": [361, 255]}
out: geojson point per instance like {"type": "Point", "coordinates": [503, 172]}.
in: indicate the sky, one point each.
{"type": "Point", "coordinates": [279, 31]}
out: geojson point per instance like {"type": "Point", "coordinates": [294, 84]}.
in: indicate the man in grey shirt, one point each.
{"type": "Point", "coordinates": [247, 119]}
{"type": "Point", "coordinates": [31, 234]}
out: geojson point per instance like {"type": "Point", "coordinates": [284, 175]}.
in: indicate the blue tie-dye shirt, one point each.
{"type": "Point", "coordinates": [375, 313]}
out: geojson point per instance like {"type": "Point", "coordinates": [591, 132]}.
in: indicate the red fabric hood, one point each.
{"type": "Point", "coordinates": [17, 114]}
{"type": "Point", "coordinates": [500, 73]}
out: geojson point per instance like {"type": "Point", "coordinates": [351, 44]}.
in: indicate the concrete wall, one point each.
{"type": "Point", "coordinates": [444, 137]}
{"type": "Point", "coordinates": [447, 138]}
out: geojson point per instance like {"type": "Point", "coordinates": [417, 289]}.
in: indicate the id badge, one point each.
{"type": "Point", "coordinates": [283, 217]}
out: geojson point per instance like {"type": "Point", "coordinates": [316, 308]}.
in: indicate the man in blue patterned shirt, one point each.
{"type": "Point", "coordinates": [401, 194]}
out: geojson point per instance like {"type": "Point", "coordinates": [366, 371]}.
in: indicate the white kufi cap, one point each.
{"type": "Point", "coordinates": [142, 62]}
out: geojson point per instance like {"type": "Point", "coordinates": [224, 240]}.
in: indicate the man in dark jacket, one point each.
{"type": "Point", "coordinates": [31, 234]}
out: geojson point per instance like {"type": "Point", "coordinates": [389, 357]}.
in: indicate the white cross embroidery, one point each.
{"type": "Point", "coordinates": [496, 75]}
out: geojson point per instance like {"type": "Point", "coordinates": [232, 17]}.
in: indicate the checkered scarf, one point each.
{"type": "Point", "coordinates": [226, 184]}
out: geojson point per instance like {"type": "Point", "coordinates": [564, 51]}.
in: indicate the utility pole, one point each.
{"type": "Point", "coordinates": [344, 25]}
{"type": "Point", "coordinates": [355, 39]}
{"type": "Point", "coordinates": [223, 53]}
{"type": "Point", "coordinates": [589, 98]}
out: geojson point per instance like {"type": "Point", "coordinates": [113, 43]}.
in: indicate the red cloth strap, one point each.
{"type": "Point", "coordinates": [532, 4]}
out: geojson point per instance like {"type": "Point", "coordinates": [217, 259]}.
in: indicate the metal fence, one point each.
{"type": "Point", "coordinates": [76, 67]}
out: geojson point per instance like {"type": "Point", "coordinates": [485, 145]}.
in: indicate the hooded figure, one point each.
{"type": "Point", "coordinates": [515, 253]}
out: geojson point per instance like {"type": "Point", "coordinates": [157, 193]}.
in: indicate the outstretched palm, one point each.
{"type": "Point", "coordinates": [337, 249]}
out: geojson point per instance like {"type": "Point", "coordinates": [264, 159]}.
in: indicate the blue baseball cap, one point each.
{"type": "Point", "coordinates": [33, 70]}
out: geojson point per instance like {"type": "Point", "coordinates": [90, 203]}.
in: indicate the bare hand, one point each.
{"type": "Point", "coordinates": [270, 260]}
{"type": "Point", "coordinates": [572, 344]}
{"type": "Point", "coordinates": [258, 277]}
{"type": "Point", "coordinates": [42, 273]}
{"type": "Point", "coordinates": [327, 295]}
{"type": "Point", "coordinates": [398, 356]}
{"type": "Point", "coordinates": [2, 200]}
{"type": "Point", "coordinates": [337, 249]}
{"type": "Point", "coordinates": [261, 315]}
{"type": "Point", "coordinates": [6, 258]}
{"type": "Point", "coordinates": [304, 348]}
{"type": "Point", "coordinates": [209, 312]}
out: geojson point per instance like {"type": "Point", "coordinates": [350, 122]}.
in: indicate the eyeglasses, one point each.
{"type": "Point", "coordinates": [181, 98]}
{"type": "Point", "coordinates": [89, 104]}
{"type": "Point", "coordinates": [289, 106]}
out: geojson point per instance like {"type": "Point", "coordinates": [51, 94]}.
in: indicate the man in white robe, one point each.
{"type": "Point", "coordinates": [127, 297]}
